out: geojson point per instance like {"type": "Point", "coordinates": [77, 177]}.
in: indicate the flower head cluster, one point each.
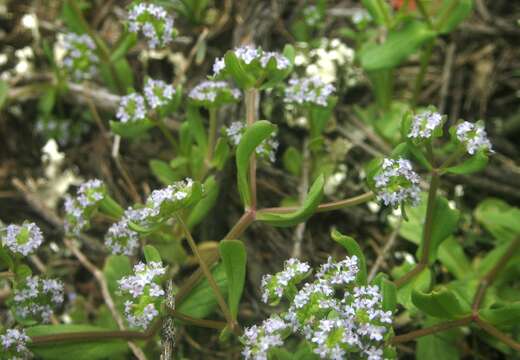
{"type": "Point", "coordinates": [258, 340]}
{"type": "Point", "coordinates": [249, 55]}
{"type": "Point", "coordinates": [308, 90]}
{"type": "Point", "coordinates": [36, 298]}
{"type": "Point", "coordinates": [396, 183]}
{"type": "Point", "coordinates": [474, 136]}
{"type": "Point", "coordinates": [158, 93]}
{"type": "Point", "coordinates": [338, 318]}
{"type": "Point", "coordinates": [132, 108]}
{"type": "Point", "coordinates": [145, 292]}
{"type": "Point", "coordinates": [79, 59]}
{"type": "Point", "coordinates": [154, 22]}
{"type": "Point", "coordinates": [79, 209]}
{"type": "Point", "coordinates": [211, 92]}
{"type": "Point", "coordinates": [274, 286]}
{"type": "Point", "coordinates": [122, 239]}
{"type": "Point", "coordinates": [424, 125]}
{"type": "Point", "coordinates": [23, 239]}
{"type": "Point", "coordinates": [267, 149]}
{"type": "Point", "coordinates": [14, 344]}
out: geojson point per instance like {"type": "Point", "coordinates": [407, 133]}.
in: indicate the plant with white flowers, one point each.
{"type": "Point", "coordinates": [153, 21]}
{"type": "Point", "coordinates": [80, 58]}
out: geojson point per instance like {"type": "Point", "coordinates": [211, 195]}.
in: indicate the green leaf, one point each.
{"type": "Point", "coordinates": [71, 19]}
{"type": "Point", "coordinates": [201, 302]}
{"type": "Point", "coordinates": [420, 282]}
{"type": "Point", "coordinates": [116, 267]}
{"type": "Point", "coordinates": [233, 255]}
{"type": "Point", "coordinates": [441, 346]}
{"type": "Point", "coordinates": [110, 207]}
{"type": "Point", "coordinates": [5, 258]}
{"type": "Point", "coordinates": [388, 290]}
{"type": "Point", "coordinates": [353, 249]}
{"type": "Point", "coordinates": [398, 46]}
{"type": "Point", "coordinates": [378, 10]}
{"type": "Point", "coordinates": [440, 303]}
{"type": "Point", "coordinates": [305, 211]}
{"type": "Point", "coordinates": [22, 272]}
{"type": "Point", "coordinates": [204, 206]}
{"type": "Point", "coordinates": [453, 13]}
{"type": "Point", "coordinates": [221, 154]}
{"type": "Point", "coordinates": [131, 129]}
{"type": "Point", "coordinates": [151, 254]}
{"type": "Point", "coordinates": [252, 137]}
{"type": "Point", "coordinates": [163, 171]}
{"type": "Point", "coordinates": [499, 218]}
{"type": "Point", "coordinates": [237, 71]}
{"type": "Point", "coordinates": [4, 90]}
{"type": "Point", "coordinates": [292, 160]}
{"type": "Point", "coordinates": [90, 350]}
{"type": "Point", "coordinates": [127, 41]}
{"type": "Point", "coordinates": [451, 254]}
{"type": "Point", "coordinates": [474, 164]}
{"type": "Point", "coordinates": [196, 127]}
{"type": "Point", "coordinates": [502, 315]}
{"type": "Point", "coordinates": [445, 220]}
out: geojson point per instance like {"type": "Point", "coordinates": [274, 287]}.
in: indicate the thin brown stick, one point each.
{"type": "Point", "coordinates": [431, 330]}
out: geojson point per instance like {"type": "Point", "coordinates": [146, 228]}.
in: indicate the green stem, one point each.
{"type": "Point", "coordinates": [431, 330]}
{"type": "Point", "coordinates": [490, 329]}
{"type": "Point", "coordinates": [212, 135]}
{"type": "Point", "coordinates": [330, 206]}
{"type": "Point", "coordinates": [160, 124]}
{"type": "Point", "coordinates": [209, 276]}
{"type": "Point", "coordinates": [424, 13]}
{"type": "Point", "coordinates": [250, 102]}
{"type": "Point", "coordinates": [425, 60]}
{"type": "Point", "coordinates": [384, 10]}
{"type": "Point", "coordinates": [242, 224]}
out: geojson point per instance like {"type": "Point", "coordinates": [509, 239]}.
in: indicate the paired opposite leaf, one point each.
{"type": "Point", "coordinates": [441, 303]}
{"type": "Point", "coordinates": [201, 209]}
{"type": "Point", "coordinates": [352, 248]}
{"type": "Point", "coordinates": [233, 255]}
{"type": "Point", "coordinates": [90, 350]}
{"type": "Point", "coordinates": [303, 213]}
{"type": "Point", "coordinates": [151, 254]}
{"type": "Point", "coordinates": [253, 136]}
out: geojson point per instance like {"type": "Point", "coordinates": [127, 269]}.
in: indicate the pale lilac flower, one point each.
{"type": "Point", "coordinates": [132, 108]}
{"type": "Point", "coordinates": [120, 239]}
{"type": "Point", "coordinates": [36, 298]}
{"type": "Point", "coordinates": [210, 91]}
{"type": "Point", "coordinates": [424, 124]}
{"type": "Point", "coordinates": [258, 340]}
{"type": "Point", "coordinates": [474, 136]}
{"type": "Point", "coordinates": [14, 343]}
{"type": "Point", "coordinates": [396, 182]}
{"type": "Point", "coordinates": [23, 239]}
{"type": "Point", "coordinates": [80, 59]}
{"type": "Point", "coordinates": [158, 93]}
{"type": "Point", "coordinates": [273, 287]}
{"type": "Point", "coordinates": [154, 22]}
{"type": "Point", "coordinates": [308, 90]}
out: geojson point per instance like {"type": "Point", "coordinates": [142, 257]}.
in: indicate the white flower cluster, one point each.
{"type": "Point", "coordinates": [424, 124]}
{"type": "Point", "coordinates": [354, 325]}
{"type": "Point", "coordinates": [155, 23]}
{"type": "Point", "coordinates": [308, 90]}
{"type": "Point", "coordinates": [396, 182]}
{"type": "Point", "coordinates": [132, 108]}
{"type": "Point", "coordinates": [79, 58]}
{"type": "Point", "coordinates": [210, 91]}
{"type": "Point", "coordinates": [158, 93]}
{"type": "Point", "coordinates": [121, 239]}
{"type": "Point", "coordinates": [248, 54]}
{"type": "Point", "coordinates": [266, 149]}
{"type": "Point", "coordinates": [474, 136]}
{"type": "Point", "coordinates": [36, 298]}
{"type": "Point", "coordinates": [79, 209]}
{"type": "Point", "coordinates": [14, 343]}
{"type": "Point", "coordinates": [145, 292]}
{"type": "Point", "coordinates": [258, 340]}
{"type": "Point", "coordinates": [274, 286]}
{"type": "Point", "coordinates": [23, 239]}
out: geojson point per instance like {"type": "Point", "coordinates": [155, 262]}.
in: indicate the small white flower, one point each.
{"type": "Point", "coordinates": [131, 108]}
{"type": "Point", "coordinates": [120, 239]}
{"type": "Point", "coordinates": [424, 124]}
{"type": "Point", "coordinates": [474, 136]}
{"type": "Point", "coordinates": [247, 53]}
{"type": "Point", "coordinates": [23, 239]}
{"type": "Point", "coordinates": [147, 295]}
{"type": "Point", "coordinates": [282, 62]}
{"type": "Point", "coordinates": [310, 90]}
{"type": "Point", "coordinates": [158, 93]}
{"type": "Point", "coordinates": [211, 90]}
{"type": "Point", "coordinates": [79, 58]}
{"type": "Point", "coordinates": [36, 297]}
{"type": "Point", "coordinates": [14, 343]}
{"type": "Point", "coordinates": [218, 66]}
{"type": "Point", "coordinates": [397, 182]}
{"type": "Point", "coordinates": [258, 340]}
{"type": "Point", "coordinates": [154, 22]}
{"type": "Point", "coordinates": [79, 209]}
{"type": "Point", "coordinates": [273, 287]}
{"type": "Point", "coordinates": [338, 273]}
